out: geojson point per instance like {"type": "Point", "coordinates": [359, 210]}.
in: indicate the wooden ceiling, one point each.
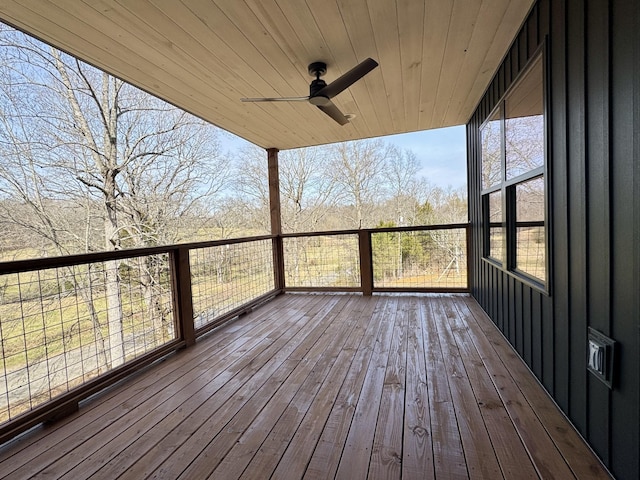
{"type": "Point", "coordinates": [436, 57]}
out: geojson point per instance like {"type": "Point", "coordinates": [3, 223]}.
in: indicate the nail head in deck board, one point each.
{"type": "Point", "coordinates": [543, 451]}
{"type": "Point", "coordinates": [386, 453]}
{"type": "Point", "coordinates": [148, 400]}
{"type": "Point", "coordinates": [191, 397]}
{"type": "Point", "coordinates": [507, 444]}
{"type": "Point", "coordinates": [571, 446]}
{"type": "Point", "coordinates": [267, 458]}
{"type": "Point", "coordinates": [140, 388]}
{"type": "Point", "coordinates": [236, 390]}
{"type": "Point", "coordinates": [296, 458]}
{"type": "Point", "coordinates": [251, 396]}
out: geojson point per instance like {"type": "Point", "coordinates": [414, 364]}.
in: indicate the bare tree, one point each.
{"type": "Point", "coordinates": [404, 184]}
{"type": "Point", "coordinates": [74, 136]}
{"type": "Point", "coordinates": [252, 184]}
{"type": "Point", "coordinates": [359, 169]}
{"type": "Point", "coordinates": [307, 189]}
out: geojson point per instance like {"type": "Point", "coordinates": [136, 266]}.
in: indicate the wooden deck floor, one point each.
{"type": "Point", "coordinates": [322, 386]}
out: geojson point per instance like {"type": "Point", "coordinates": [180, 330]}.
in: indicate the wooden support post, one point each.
{"type": "Point", "coordinates": [366, 262]}
{"type": "Point", "coordinates": [182, 298]}
{"type": "Point", "coordinates": [276, 219]}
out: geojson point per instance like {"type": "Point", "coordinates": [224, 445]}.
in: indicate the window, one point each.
{"type": "Point", "coordinates": [513, 179]}
{"type": "Point", "coordinates": [530, 234]}
{"type": "Point", "coordinates": [492, 151]}
{"type": "Point", "coordinates": [496, 226]}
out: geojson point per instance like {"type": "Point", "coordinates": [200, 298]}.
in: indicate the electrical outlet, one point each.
{"type": "Point", "coordinates": [601, 356]}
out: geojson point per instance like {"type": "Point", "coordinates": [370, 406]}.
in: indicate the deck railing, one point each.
{"type": "Point", "coordinates": [408, 259]}
{"type": "Point", "coordinates": [70, 326]}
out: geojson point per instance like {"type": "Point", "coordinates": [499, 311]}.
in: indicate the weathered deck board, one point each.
{"type": "Point", "coordinates": [322, 386]}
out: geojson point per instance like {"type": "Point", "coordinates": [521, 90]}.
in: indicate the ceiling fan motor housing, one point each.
{"type": "Point", "coordinates": [316, 86]}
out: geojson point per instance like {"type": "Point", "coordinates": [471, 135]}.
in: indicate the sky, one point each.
{"type": "Point", "coordinates": [441, 152]}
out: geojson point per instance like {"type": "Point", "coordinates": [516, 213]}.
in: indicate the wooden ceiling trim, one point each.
{"type": "Point", "coordinates": [258, 42]}
{"type": "Point", "coordinates": [486, 26]}
{"type": "Point", "coordinates": [192, 34]}
{"type": "Point", "coordinates": [118, 64]}
{"type": "Point", "coordinates": [276, 23]}
{"type": "Point", "coordinates": [356, 16]}
{"type": "Point", "coordinates": [72, 42]}
{"type": "Point", "coordinates": [204, 56]}
{"type": "Point", "coordinates": [157, 48]}
{"type": "Point", "coordinates": [305, 26]}
{"type": "Point", "coordinates": [185, 49]}
{"type": "Point", "coordinates": [286, 38]}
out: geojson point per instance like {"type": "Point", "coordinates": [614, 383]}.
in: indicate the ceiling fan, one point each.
{"type": "Point", "coordinates": [320, 94]}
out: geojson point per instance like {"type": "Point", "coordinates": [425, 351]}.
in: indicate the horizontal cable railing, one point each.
{"type": "Point", "coordinates": [70, 326]}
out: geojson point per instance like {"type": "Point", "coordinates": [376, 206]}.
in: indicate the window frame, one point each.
{"type": "Point", "coordinates": [508, 187]}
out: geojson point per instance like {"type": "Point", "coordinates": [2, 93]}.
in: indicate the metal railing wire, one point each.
{"type": "Point", "coordinates": [329, 261]}
{"type": "Point", "coordinates": [70, 326]}
{"type": "Point", "coordinates": [227, 277]}
{"type": "Point", "coordinates": [420, 259]}
{"type": "Point", "coordinates": [56, 325]}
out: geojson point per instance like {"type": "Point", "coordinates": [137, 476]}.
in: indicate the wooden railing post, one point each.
{"type": "Point", "coordinates": [366, 262]}
{"type": "Point", "coordinates": [276, 220]}
{"type": "Point", "coordinates": [278, 263]}
{"type": "Point", "coordinates": [470, 258]}
{"type": "Point", "coordinates": [182, 298]}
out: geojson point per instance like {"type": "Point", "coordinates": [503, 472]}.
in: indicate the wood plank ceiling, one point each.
{"type": "Point", "coordinates": [436, 57]}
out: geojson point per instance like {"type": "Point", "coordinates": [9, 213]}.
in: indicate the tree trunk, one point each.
{"type": "Point", "coordinates": [114, 313]}
{"type": "Point", "coordinates": [86, 295]}
{"type": "Point", "coordinates": [149, 273]}
{"type": "Point", "coordinates": [112, 280]}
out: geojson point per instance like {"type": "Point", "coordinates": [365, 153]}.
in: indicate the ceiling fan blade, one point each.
{"type": "Point", "coordinates": [334, 112]}
{"type": "Point", "coordinates": [277, 99]}
{"type": "Point", "coordinates": [349, 78]}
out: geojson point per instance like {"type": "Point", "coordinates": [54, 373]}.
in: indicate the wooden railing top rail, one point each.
{"type": "Point", "coordinates": [413, 228]}
{"type": "Point", "coordinates": [16, 266]}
